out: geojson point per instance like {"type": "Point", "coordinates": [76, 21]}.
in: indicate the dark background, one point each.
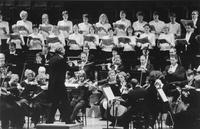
{"type": "Point", "coordinates": [11, 9]}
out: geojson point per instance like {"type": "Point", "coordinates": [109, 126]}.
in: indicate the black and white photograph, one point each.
{"type": "Point", "coordinates": [99, 64]}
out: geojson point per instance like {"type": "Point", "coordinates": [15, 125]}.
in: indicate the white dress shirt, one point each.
{"type": "Point", "coordinates": [158, 25]}
{"type": "Point", "coordinates": [84, 27]}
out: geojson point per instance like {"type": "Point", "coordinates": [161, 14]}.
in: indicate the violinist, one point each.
{"type": "Point", "coordinates": [82, 100]}
{"type": "Point", "coordinates": [144, 65]}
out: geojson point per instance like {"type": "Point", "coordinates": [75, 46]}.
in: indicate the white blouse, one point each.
{"type": "Point", "coordinates": [169, 38]}
{"type": "Point", "coordinates": [79, 40]}
{"type": "Point", "coordinates": [27, 25]}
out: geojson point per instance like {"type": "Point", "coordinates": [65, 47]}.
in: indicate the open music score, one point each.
{"type": "Point", "coordinates": [72, 85]}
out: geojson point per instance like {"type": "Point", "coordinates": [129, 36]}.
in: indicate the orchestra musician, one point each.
{"type": "Point", "coordinates": [84, 26]}
{"type": "Point", "coordinates": [188, 117]}
{"type": "Point", "coordinates": [82, 101]}
{"type": "Point", "coordinates": [56, 89]}
{"type": "Point", "coordinates": [25, 23]}
{"type": "Point", "coordinates": [9, 96]}
{"type": "Point", "coordinates": [135, 94]}
{"type": "Point", "coordinates": [14, 58]}
{"type": "Point", "coordinates": [4, 31]}
{"type": "Point", "coordinates": [138, 25]}
{"type": "Point", "coordinates": [144, 66]}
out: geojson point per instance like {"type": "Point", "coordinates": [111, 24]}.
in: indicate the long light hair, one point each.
{"type": "Point", "coordinates": [101, 17]}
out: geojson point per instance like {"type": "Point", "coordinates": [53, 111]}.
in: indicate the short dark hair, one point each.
{"type": "Point", "coordinates": [139, 13]}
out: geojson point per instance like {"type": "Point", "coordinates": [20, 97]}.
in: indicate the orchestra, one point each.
{"type": "Point", "coordinates": [150, 67]}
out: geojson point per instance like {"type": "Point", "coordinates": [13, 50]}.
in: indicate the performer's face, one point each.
{"type": "Point", "coordinates": [130, 31]}
{"type": "Point", "coordinates": [194, 15]}
{"type": "Point", "coordinates": [92, 30]}
{"type": "Point", "coordinates": [147, 29]}
{"type": "Point", "coordinates": [155, 17]}
{"type": "Point", "coordinates": [24, 16]}
{"type": "Point", "coordinates": [142, 60]}
{"type": "Point", "coordinates": [172, 19]}
{"type": "Point", "coordinates": [45, 19]}
{"type": "Point", "coordinates": [140, 18]}
{"type": "Point", "coordinates": [173, 61]}
{"type": "Point", "coordinates": [65, 16]}
{"type": "Point", "coordinates": [122, 15]}
{"type": "Point", "coordinates": [1, 17]}
{"type": "Point", "coordinates": [190, 77]}
{"type": "Point", "coordinates": [85, 19]}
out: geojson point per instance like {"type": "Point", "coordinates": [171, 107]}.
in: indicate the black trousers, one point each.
{"type": "Point", "coordinates": [60, 102]}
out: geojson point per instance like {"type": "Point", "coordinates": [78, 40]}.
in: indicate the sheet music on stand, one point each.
{"type": "Point", "coordinates": [108, 93]}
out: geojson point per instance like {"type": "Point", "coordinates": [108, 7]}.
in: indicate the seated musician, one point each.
{"type": "Point", "coordinates": [14, 58]}
{"type": "Point", "coordinates": [75, 42]}
{"type": "Point", "coordinates": [11, 102]}
{"type": "Point", "coordinates": [103, 25]}
{"type": "Point", "coordinates": [157, 23]}
{"type": "Point", "coordinates": [138, 25]}
{"type": "Point", "coordinates": [4, 31]}
{"type": "Point", "coordinates": [36, 40]}
{"type": "Point", "coordinates": [144, 65]}
{"type": "Point", "coordinates": [123, 84]}
{"type": "Point", "coordinates": [84, 26]}
{"type": "Point", "coordinates": [125, 23]}
{"type": "Point", "coordinates": [187, 116]}
{"type": "Point", "coordinates": [25, 23]}
{"type": "Point", "coordinates": [29, 84]}
{"type": "Point", "coordinates": [165, 43]}
{"type": "Point", "coordinates": [55, 38]}
{"type": "Point", "coordinates": [82, 100]}
{"type": "Point", "coordinates": [65, 23]}
{"type": "Point", "coordinates": [45, 28]}
{"type": "Point", "coordinates": [136, 94]}
{"type": "Point", "coordinates": [174, 27]}
{"type": "Point", "coordinates": [16, 37]}
{"type": "Point", "coordinates": [117, 64]}
{"type": "Point", "coordinates": [46, 55]}
{"type": "Point", "coordinates": [148, 38]}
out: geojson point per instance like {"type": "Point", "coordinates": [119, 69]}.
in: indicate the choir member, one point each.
{"type": "Point", "coordinates": [166, 41]}
{"type": "Point", "coordinates": [174, 27]}
{"type": "Point", "coordinates": [45, 28]}
{"type": "Point", "coordinates": [157, 23]}
{"type": "Point", "coordinates": [107, 43]}
{"type": "Point", "coordinates": [103, 25]}
{"type": "Point", "coordinates": [4, 31]}
{"type": "Point", "coordinates": [84, 26]}
{"type": "Point", "coordinates": [36, 40]}
{"type": "Point", "coordinates": [192, 47]}
{"type": "Point", "coordinates": [196, 22]}
{"type": "Point", "coordinates": [75, 42]}
{"type": "Point", "coordinates": [91, 42]}
{"type": "Point", "coordinates": [138, 25]}
{"type": "Point", "coordinates": [24, 23]}
{"type": "Point", "coordinates": [16, 37]}
{"type": "Point", "coordinates": [66, 26]}
{"type": "Point", "coordinates": [55, 38]}
{"type": "Point", "coordinates": [147, 37]}
{"type": "Point", "coordinates": [122, 24]}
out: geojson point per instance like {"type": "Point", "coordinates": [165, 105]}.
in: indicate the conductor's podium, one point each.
{"type": "Point", "coordinates": [59, 125]}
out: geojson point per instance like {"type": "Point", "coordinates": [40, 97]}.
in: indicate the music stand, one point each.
{"type": "Point", "coordinates": [107, 91]}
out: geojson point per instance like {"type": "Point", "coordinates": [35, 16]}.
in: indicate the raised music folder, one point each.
{"type": "Point", "coordinates": [124, 40]}
{"type": "Point", "coordinates": [64, 28]}
{"type": "Point", "coordinates": [161, 41]}
{"type": "Point", "coordinates": [89, 38]}
{"type": "Point", "coordinates": [107, 42]}
{"type": "Point", "coordinates": [22, 28]}
{"type": "Point", "coordinates": [142, 40]}
{"type": "Point", "coordinates": [119, 26]}
{"type": "Point", "coordinates": [52, 40]}
{"type": "Point", "coordinates": [185, 22]}
{"type": "Point", "coordinates": [46, 29]}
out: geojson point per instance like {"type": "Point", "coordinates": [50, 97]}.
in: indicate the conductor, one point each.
{"type": "Point", "coordinates": [56, 90]}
